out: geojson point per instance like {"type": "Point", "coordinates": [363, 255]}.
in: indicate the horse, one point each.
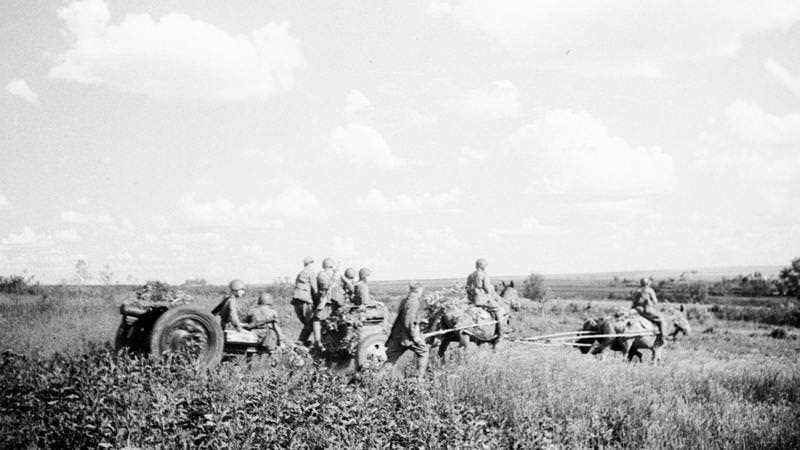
{"type": "Point", "coordinates": [450, 312]}
{"type": "Point", "coordinates": [675, 322]}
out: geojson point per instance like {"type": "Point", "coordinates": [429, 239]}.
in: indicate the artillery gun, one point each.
{"type": "Point", "coordinates": [355, 337]}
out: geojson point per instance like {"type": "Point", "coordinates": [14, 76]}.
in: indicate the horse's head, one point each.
{"type": "Point", "coordinates": [509, 295]}
{"type": "Point", "coordinates": [680, 322]}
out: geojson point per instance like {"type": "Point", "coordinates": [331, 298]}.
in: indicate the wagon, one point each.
{"type": "Point", "coordinates": [354, 339]}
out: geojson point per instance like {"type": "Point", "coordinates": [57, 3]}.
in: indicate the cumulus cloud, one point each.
{"type": "Point", "coordinates": [376, 201]}
{"type": "Point", "coordinates": [500, 101]}
{"type": "Point", "coordinates": [750, 123]}
{"type": "Point", "coordinates": [529, 227]}
{"type": "Point", "coordinates": [175, 56]}
{"type": "Point", "coordinates": [363, 146]}
{"type": "Point", "coordinates": [623, 32]}
{"type": "Point", "coordinates": [20, 89]}
{"type": "Point", "coordinates": [26, 237]}
{"type": "Point", "coordinates": [783, 75]}
{"type": "Point", "coordinates": [355, 103]}
{"type": "Point", "coordinates": [425, 242]}
{"type": "Point", "coordinates": [573, 153]}
{"type": "Point", "coordinates": [123, 225]}
{"type": "Point", "coordinates": [4, 203]}
{"type": "Point", "coordinates": [293, 202]}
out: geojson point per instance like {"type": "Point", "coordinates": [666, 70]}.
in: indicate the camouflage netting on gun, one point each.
{"type": "Point", "coordinates": [341, 332]}
{"type": "Point", "coordinates": [156, 293]}
{"type": "Point", "coordinates": [448, 308]}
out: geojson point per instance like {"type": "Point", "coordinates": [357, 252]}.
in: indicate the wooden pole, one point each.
{"type": "Point", "coordinates": [450, 330]}
{"type": "Point", "coordinates": [548, 336]}
{"type": "Point", "coordinates": [597, 336]}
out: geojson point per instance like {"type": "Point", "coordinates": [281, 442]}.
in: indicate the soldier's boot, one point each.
{"type": "Point", "coordinates": [422, 366]}
{"type": "Point", "coordinates": [317, 327]}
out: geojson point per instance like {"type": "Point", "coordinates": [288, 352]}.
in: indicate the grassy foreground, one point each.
{"type": "Point", "coordinates": [729, 385]}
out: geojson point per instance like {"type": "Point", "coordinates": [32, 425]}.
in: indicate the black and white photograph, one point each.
{"type": "Point", "coordinates": [423, 224]}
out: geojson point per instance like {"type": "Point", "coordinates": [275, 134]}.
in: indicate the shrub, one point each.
{"type": "Point", "coordinates": [778, 333]}
{"type": "Point", "coordinates": [19, 284]}
{"type": "Point", "coordinates": [533, 287]}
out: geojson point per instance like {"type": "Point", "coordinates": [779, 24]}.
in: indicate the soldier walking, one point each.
{"type": "Point", "coordinates": [406, 336]}
{"type": "Point", "coordinates": [303, 297]}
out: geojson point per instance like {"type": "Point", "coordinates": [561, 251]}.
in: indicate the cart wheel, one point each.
{"type": "Point", "coordinates": [372, 352]}
{"type": "Point", "coordinates": [191, 330]}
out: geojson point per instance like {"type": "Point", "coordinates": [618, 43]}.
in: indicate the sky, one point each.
{"type": "Point", "coordinates": [178, 139]}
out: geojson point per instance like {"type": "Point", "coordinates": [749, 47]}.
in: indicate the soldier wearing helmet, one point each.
{"type": "Point", "coordinates": [406, 335]}
{"type": "Point", "coordinates": [348, 282]}
{"type": "Point", "coordinates": [644, 302]}
{"type": "Point", "coordinates": [330, 294]}
{"type": "Point", "coordinates": [479, 287]}
{"type": "Point", "coordinates": [263, 320]}
{"type": "Point", "coordinates": [228, 308]}
{"type": "Point", "coordinates": [303, 298]}
{"type": "Point", "coordinates": [361, 290]}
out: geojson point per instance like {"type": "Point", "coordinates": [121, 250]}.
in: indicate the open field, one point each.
{"type": "Point", "coordinates": [728, 385]}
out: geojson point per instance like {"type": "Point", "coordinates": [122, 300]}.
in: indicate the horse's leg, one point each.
{"type": "Point", "coordinates": [656, 355]}
{"type": "Point", "coordinates": [443, 346]}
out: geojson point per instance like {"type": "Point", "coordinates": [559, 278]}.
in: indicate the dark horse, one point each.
{"type": "Point", "coordinates": [458, 312]}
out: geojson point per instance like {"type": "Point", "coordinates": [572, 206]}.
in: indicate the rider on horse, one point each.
{"type": "Point", "coordinates": [644, 302]}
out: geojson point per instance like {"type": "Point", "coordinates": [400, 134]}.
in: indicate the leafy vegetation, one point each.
{"type": "Point", "coordinates": [19, 284]}
{"type": "Point", "coordinates": [533, 287]}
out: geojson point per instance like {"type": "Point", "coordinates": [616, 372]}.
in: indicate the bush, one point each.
{"type": "Point", "coordinates": [19, 284]}
{"type": "Point", "coordinates": [533, 287]}
{"type": "Point", "coordinates": [681, 291]}
{"type": "Point", "coordinates": [778, 333]}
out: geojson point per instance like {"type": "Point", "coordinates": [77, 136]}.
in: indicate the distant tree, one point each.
{"type": "Point", "coordinates": [790, 279]}
{"type": "Point", "coordinates": [533, 287]}
{"type": "Point", "coordinates": [282, 288]}
{"type": "Point", "coordinates": [82, 274]}
{"type": "Point", "coordinates": [106, 276]}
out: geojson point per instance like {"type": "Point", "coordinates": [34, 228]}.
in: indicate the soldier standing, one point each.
{"type": "Point", "coordinates": [263, 319]}
{"type": "Point", "coordinates": [361, 290]}
{"type": "Point", "coordinates": [348, 282]}
{"type": "Point", "coordinates": [330, 293]}
{"type": "Point", "coordinates": [303, 297]}
{"type": "Point", "coordinates": [406, 335]}
{"type": "Point", "coordinates": [644, 303]}
{"type": "Point", "coordinates": [227, 309]}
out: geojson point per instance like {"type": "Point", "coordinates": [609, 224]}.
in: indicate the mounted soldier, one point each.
{"type": "Point", "coordinates": [305, 291]}
{"type": "Point", "coordinates": [644, 302]}
{"type": "Point", "coordinates": [480, 291]}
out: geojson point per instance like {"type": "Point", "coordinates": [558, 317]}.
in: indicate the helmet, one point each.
{"type": "Point", "coordinates": [414, 286]}
{"type": "Point", "coordinates": [265, 298]}
{"type": "Point", "coordinates": [364, 273]}
{"type": "Point", "coordinates": [308, 260]}
{"type": "Point", "coordinates": [327, 263]}
{"type": "Point", "coordinates": [644, 282]}
{"type": "Point", "coordinates": [237, 284]}
{"type": "Point", "coordinates": [350, 272]}
{"type": "Point", "coordinates": [481, 263]}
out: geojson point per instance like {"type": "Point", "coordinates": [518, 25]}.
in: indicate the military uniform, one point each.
{"type": "Point", "coordinates": [348, 289]}
{"type": "Point", "coordinates": [479, 288]}
{"type": "Point", "coordinates": [262, 319]}
{"type": "Point", "coordinates": [227, 309]}
{"type": "Point", "coordinates": [330, 293]}
{"type": "Point", "coordinates": [645, 303]}
{"type": "Point", "coordinates": [361, 293]}
{"type": "Point", "coordinates": [303, 298]}
{"type": "Point", "coordinates": [406, 335]}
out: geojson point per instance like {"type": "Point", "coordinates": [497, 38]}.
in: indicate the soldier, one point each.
{"type": "Point", "coordinates": [330, 293]}
{"type": "Point", "coordinates": [406, 335]}
{"type": "Point", "coordinates": [480, 292]}
{"type": "Point", "coordinates": [303, 297]}
{"type": "Point", "coordinates": [361, 290]}
{"type": "Point", "coordinates": [479, 288]}
{"type": "Point", "coordinates": [227, 309]}
{"type": "Point", "coordinates": [348, 284]}
{"type": "Point", "coordinates": [644, 302]}
{"type": "Point", "coordinates": [262, 319]}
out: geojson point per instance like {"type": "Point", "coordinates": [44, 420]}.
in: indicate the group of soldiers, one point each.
{"type": "Point", "coordinates": [316, 296]}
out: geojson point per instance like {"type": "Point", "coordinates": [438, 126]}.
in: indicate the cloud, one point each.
{"type": "Point", "coordinates": [175, 57]}
{"type": "Point", "coordinates": [26, 237]}
{"type": "Point", "coordinates": [529, 227]}
{"type": "Point", "coordinates": [293, 202]}
{"type": "Point", "coordinates": [783, 75]}
{"type": "Point", "coordinates": [363, 146]}
{"type": "Point", "coordinates": [123, 225]}
{"type": "Point", "coordinates": [70, 235]}
{"type": "Point", "coordinates": [4, 203]}
{"type": "Point", "coordinates": [425, 242]}
{"type": "Point", "coordinates": [750, 124]}
{"type": "Point", "coordinates": [617, 33]}
{"type": "Point", "coordinates": [500, 101]}
{"type": "Point", "coordinates": [19, 88]}
{"type": "Point", "coordinates": [344, 247]}
{"type": "Point", "coordinates": [356, 102]}
{"type": "Point", "coordinates": [573, 153]}
{"type": "Point", "coordinates": [376, 201]}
